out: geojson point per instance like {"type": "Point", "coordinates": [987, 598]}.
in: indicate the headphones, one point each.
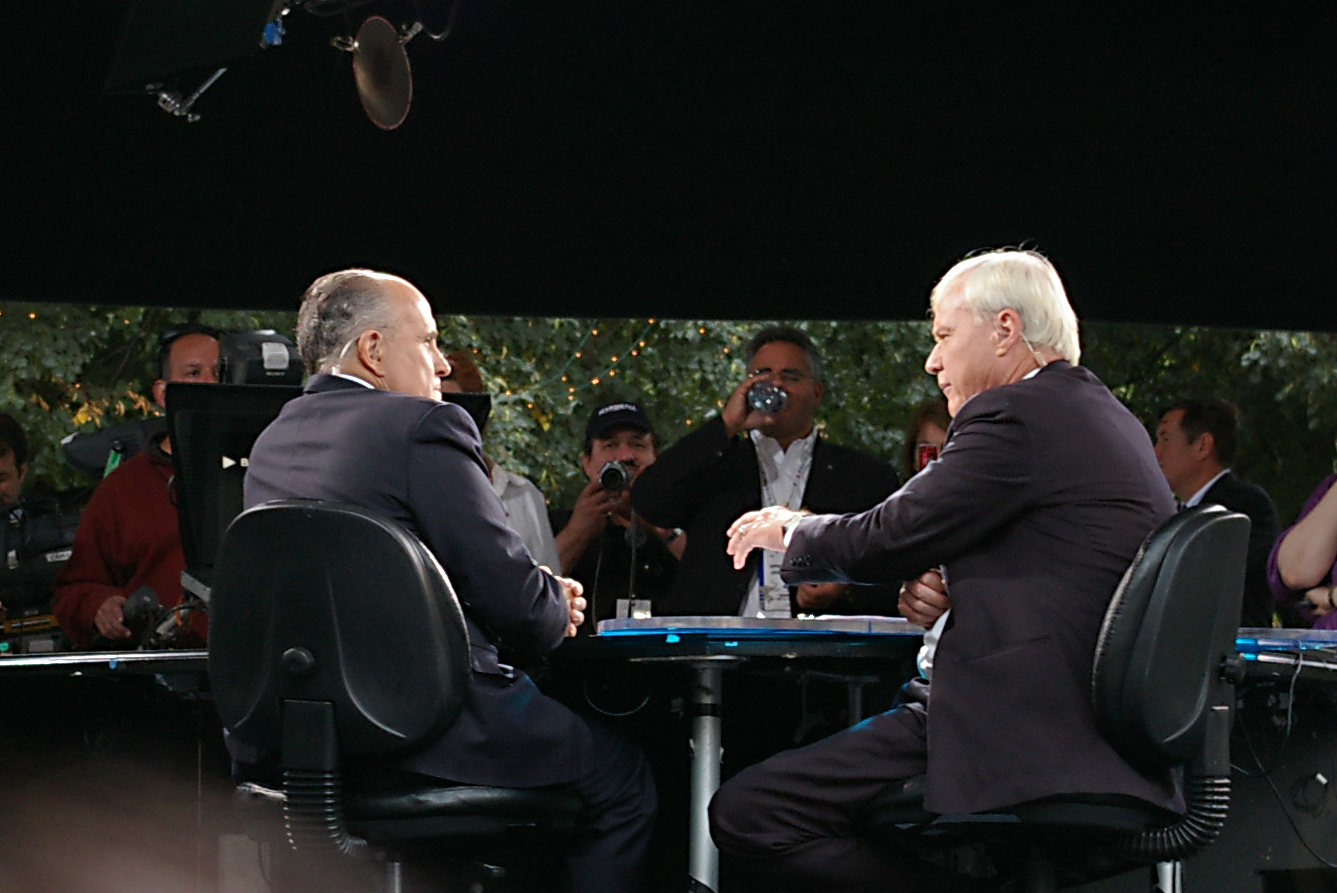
{"type": "Point", "coordinates": [170, 337]}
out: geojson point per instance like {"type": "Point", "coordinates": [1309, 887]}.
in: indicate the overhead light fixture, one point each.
{"type": "Point", "coordinates": [381, 69]}
{"type": "Point", "coordinates": [166, 44]}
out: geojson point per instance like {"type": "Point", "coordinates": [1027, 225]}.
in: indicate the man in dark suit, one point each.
{"type": "Point", "coordinates": [739, 457]}
{"type": "Point", "coordinates": [1195, 446]}
{"type": "Point", "coordinates": [1042, 494]}
{"type": "Point", "coordinates": [370, 430]}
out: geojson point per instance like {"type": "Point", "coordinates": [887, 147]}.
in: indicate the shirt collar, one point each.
{"type": "Point", "coordinates": [773, 448]}
{"type": "Point", "coordinates": [1197, 497]}
{"type": "Point", "coordinates": [347, 377]}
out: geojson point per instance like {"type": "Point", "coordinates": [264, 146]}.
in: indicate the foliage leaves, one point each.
{"type": "Point", "coordinates": [66, 368]}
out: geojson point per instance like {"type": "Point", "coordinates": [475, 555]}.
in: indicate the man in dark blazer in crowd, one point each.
{"type": "Point", "coordinates": [1195, 446]}
{"type": "Point", "coordinates": [1043, 492]}
{"type": "Point", "coordinates": [713, 475]}
{"type": "Point", "coordinates": [370, 430]}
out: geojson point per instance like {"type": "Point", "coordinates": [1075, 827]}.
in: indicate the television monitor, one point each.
{"type": "Point", "coordinates": [212, 428]}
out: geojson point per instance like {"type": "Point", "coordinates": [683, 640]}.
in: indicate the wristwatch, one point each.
{"type": "Point", "coordinates": [789, 527]}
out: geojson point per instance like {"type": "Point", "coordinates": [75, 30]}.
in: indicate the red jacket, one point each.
{"type": "Point", "coordinates": [127, 538]}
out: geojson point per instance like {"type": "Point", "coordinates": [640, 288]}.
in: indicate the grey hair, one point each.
{"type": "Point", "coordinates": [796, 337]}
{"type": "Point", "coordinates": [336, 309]}
{"type": "Point", "coordinates": [1025, 282]}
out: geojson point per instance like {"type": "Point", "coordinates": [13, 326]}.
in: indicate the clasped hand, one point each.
{"type": "Point", "coordinates": [574, 593]}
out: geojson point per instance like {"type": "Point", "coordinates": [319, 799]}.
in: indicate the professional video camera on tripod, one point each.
{"type": "Point", "coordinates": [211, 428]}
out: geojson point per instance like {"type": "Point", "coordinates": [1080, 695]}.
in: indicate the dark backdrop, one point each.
{"type": "Point", "coordinates": [736, 159]}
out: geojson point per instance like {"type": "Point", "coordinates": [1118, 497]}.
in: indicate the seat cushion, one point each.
{"type": "Point", "coordinates": [445, 810]}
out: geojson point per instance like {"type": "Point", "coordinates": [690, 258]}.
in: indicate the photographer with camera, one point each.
{"type": "Point", "coordinates": [762, 449]}
{"type": "Point", "coordinates": [128, 539]}
{"type": "Point", "coordinates": [615, 555]}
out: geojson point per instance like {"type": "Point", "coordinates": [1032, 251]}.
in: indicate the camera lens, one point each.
{"type": "Point", "coordinates": [614, 476]}
{"type": "Point", "coordinates": [767, 398]}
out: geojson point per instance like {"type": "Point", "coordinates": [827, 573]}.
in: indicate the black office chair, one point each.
{"type": "Point", "coordinates": [336, 644]}
{"type": "Point", "coordinates": [1163, 691]}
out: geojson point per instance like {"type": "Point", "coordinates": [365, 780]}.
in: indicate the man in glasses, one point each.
{"type": "Point", "coordinates": [128, 536]}
{"type": "Point", "coordinates": [762, 449]}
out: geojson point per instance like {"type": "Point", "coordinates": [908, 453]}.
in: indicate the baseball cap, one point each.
{"type": "Point", "coordinates": [611, 415]}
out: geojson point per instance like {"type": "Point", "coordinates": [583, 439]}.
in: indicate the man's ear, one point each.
{"type": "Point", "coordinates": [370, 346]}
{"type": "Point", "coordinates": [1006, 330]}
{"type": "Point", "coordinates": [23, 471]}
{"type": "Point", "coordinates": [160, 393]}
{"type": "Point", "coordinates": [818, 389]}
{"type": "Point", "coordinates": [1205, 445]}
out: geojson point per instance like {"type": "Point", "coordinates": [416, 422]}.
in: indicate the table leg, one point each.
{"type": "Point", "coordinates": [707, 753]}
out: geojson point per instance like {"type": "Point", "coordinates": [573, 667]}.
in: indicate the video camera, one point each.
{"type": "Point", "coordinates": [155, 627]}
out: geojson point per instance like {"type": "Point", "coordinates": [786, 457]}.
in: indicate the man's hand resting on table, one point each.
{"type": "Point", "coordinates": [816, 598]}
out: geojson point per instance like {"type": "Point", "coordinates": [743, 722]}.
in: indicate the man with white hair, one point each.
{"type": "Point", "coordinates": [1040, 498]}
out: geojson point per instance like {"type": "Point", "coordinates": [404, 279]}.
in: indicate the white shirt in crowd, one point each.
{"type": "Point", "coordinates": [527, 514]}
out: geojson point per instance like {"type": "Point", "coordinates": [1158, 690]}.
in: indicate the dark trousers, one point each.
{"type": "Point", "coordinates": [793, 819]}
{"type": "Point", "coordinates": [619, 790]}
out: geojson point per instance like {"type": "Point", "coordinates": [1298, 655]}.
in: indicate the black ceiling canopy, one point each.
{"type": "Point", "coordinates": [743, 159]}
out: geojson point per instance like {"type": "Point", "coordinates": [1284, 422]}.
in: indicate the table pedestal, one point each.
{"type": "Point", "coordinates": [707, 754]}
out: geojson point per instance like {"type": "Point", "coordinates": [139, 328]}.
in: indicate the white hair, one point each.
{"type": "Point", "coordinates": [1024, 282]}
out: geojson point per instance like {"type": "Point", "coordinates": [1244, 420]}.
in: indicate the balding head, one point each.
{"type": "Point", "coordinates": [336, 309]}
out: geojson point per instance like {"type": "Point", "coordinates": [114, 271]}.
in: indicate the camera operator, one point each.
{"type": "Point", "coordinates": [710, 476]}
{"type": "Point", "coordinates": [128, 538]}
{"type": "Point", "coordinates": [599, 541]}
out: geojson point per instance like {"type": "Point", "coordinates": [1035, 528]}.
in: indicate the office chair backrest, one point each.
{"type": "Point", "coordinates": [320, 602]}
{"type": "Point", "coordinates": [1170, 627]}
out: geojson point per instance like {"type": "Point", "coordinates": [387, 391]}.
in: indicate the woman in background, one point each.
{"type": "Point", "coordinates": [1301, 569]}
{"type": "Point", "coordinates": [925, 435]}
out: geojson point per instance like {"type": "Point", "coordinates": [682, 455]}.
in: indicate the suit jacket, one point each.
{"type": "Point", "coordinates": [706, 480]}
{"type": "Point", "coordinates": [1252, 500]}
{"type": "Point", "coordinates": [420, 463]}
{"type": "Point", "coordinates": [1041, 497]}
